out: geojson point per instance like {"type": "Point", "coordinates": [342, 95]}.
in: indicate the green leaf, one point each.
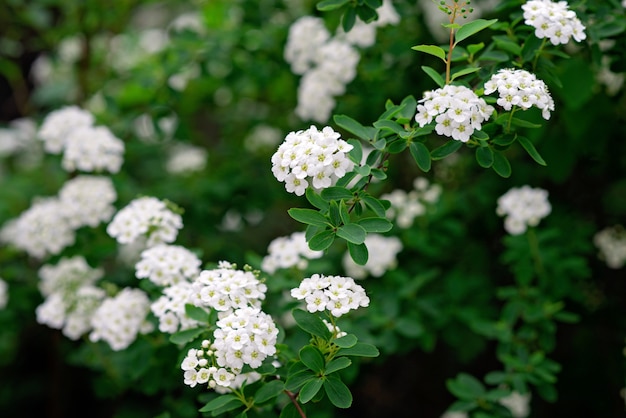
{"type": "Point", "coordinates": [531, 150]}
{"type": "Point", "coordinates": [463, 72]}
{"type": "Point", "coordinates": [311, 323]}
{"type": "Point", "coordinates": [220, 402]}
{"type": "Point", "coordinates": [335, 216]}
{"type": "Point", "coordinates": [504, 139]}
{"type": "Point", "coordinates": [356, 153]}
{"type": "Point", "coordinates": [183, 337]}
{"type": "Point", "coordinates": [296, 380]}
{"type": "Point", "coordinates": [336, 193]}
{"type": "Point", "coordinates": [524, 123]}
{"type": "Point", "coordinates": [197, 313]}
{"type": "Point", "coordinates": [374, 4]}
{"type": "Point", "coordinates": [375, 224]}
{"type": "Point", "coordinates": [354, 127]}
{"type": "Point", "coordinates": [328, 5]}
{"type": "Point", "coordinates": [346, 341]}
{"type": "Point", "coordinates": [501, 165]}
{"type": "Point", "coordinates": [322, 240]}
{"type": "Point", "coordinates": [337, 364]}
{"type": "Point", "coordinates": [337, 392]}
{"type": "Point", "coordinates": [359, 253]}
{"type": "Point", "coordinates": [290, 411]}
{"type": "Point", "coordinates": [432, 73]}
{"type": "Point", "coordinates": [380, 144]}
{"type": "Point", "coordinates": [378, 173]}
{"type": "Point", "coordinates": [432, 50]}
{"type": "Point", "coordinates": [474, 48]}
{"type": "Point", "coordinates": [343, 212]}
{"type": "Point", "coordinates": [315, 199]}
{"type": "Point", "coordinates": [484, 156]}
{"type": "Point", "coordinates": [363, 170]}
{"type": "Point", "coordinates": [375, 205]}
{"type": "Point", "coordinates": [268, 391]}
{"type": "Point", "coordinates": [466, 387]}
{"type": "Point", "coordinates": [471, 28]}
{"type": "Point", "coordinates": [389, 125]}
{"type": "Point", "coordinates": [446, 149]}
{"type": "Point", "coordinates": [308, 216]}
{"type": "Point", "coordinates": [348, 19]}
{"type": "Point", "coordinates": [310, 389]}
{"type": "Point", "coordinates": [312, 358]}
{"type": "Point", "coordinates": [366, 14]}
{"type": "Point", "coordinates": [421, 155]}
{"type": "Point", "coordinates": [353, 233]}
{"type": "Point", "coordinates": [495, 378]}
{"type": "Point", "coordinates": [408, 109]}
{"type": "Point", "coordinates": [360, 350]}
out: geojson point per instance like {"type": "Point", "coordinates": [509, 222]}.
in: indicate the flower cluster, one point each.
{"type": "Point", "coordinates": [145, 216]}
{"type": "Point", "coordinates": [382, 257]}
{"type": "Point", "coordinates": [226, 289]}
{"type": "Point", "coordinates": [59, 124]}
{"type": "Point", "coordinates": [169, 308]}
{"type": "Point", "coordinates": [88, 200]}
{"type": "Point", "coordinates": [312, 156]}
{"type": "Point", "coordinates": [4, 294]}
{"type": "Point", "coordinates": [165, 265]}
{"type": "Point", "coordinates": [186, 159]}
{"type": "Point", "coordinates": [554, 21]}
{"type": "Point", "coordinates": [335, 294]}
{"type": "Point", "coordinates": [523, 207]}
{"type": "Point", "coordinates": [334, 329]}
{"type": "Point", "coordinates": [405, 207]}
{"type": "Point", "coordinates": [290, 251]}
{"type": "Point", "coordinates": [521, 89]}
{"type": "Point", "coordinates": [457, 110]}
{"type": "Point", "coordinates": [119, 319]}
{"type": "Point", "coordinates": [611, 242]}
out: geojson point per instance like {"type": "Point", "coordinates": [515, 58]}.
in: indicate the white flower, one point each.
{"type": "Point", "coordinates": [335, 294]}
{"type": "Point", "coordinates": [185, 159]}
{"type": "Point", "coordinates": [611, 243]}
{"type": "Point", "coordinates": [167, 264]}
{"type": "Point", "coordinates": [306, 35]}
{"type": "Point", "coordinates": [405, 207]}
{"type": "Point", "coordinates": [88, 200]}
{"type": "Point", "coordinates": [58, 124]}
{"type": "Point", "coordinates": [523, 207]}
{"type": "Point", "coordinates": [89, 148]}
{"type": "Point", "coordinates": [518, 404]}
{"type": "Point", "coordinates": [290, 251]}
{"type": "Point", "coordinates": [382, 257]}
{"type": "Point", "coordinates": [553, 20]}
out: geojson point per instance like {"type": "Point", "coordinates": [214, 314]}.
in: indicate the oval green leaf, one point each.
{"type": "Point", "coordinates": [353, 233]}
{"type": "Point", "coordinates": [337, 364]}
{"type": "Point", "coordinates": [337, 392]}
{"type": "Point", "coordinates": [501, 165]}
{"type": "Point", "coordinates": [310, 389]}
{"type": "Point", "coordinates": [471, 28]}
{"type": "Point", "coordinates": [311, 323]}
{"type": "Point", "coordinates": [322, 240]}
{"type": "Point", "coordinates": [308, 216]}
{"type": "Point", "coordinates": [375, 224]}
{"type": "Point", "coordinates": [431, 50]}
{"type": "Point", "coordinates": [531, 150]}
{"type": "Point", "coordinates": [312, 358]}
{"type": "Point", "coordinates": [446, 149]}
{"type": "Point", "coordinates": [268, 391]}
{"type": "Point", "coordinates": [484, 156]}
{"type": "Point", "coordinates": [421, 155]}
{"type": "Point", "coordinates": [359, 253]}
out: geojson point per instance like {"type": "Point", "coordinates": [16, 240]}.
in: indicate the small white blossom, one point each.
{"type": "Point", "coordinates": [611, 243]}
{"type": "Point", "coordinates": [88, 200]}
{"type": "Point", "coordinates": [165, 265]}
{"type": "Point", "coordinates": [518, 404]}
{"type": "Point", "coordinates": [554, 21]}
{"type": "Point", "coordinates": [185, 159]}
{"type": "Point", "coordinates": [89, 148]}
{"type": "Point", "coordinates": [406, 206]}
{"type": "Point", "coordinates": [523, 207]}
{"type": "Point", "coordinates": [382, 257]}
{"type": "Point", "coordinates": [290, 251]}
{"type": "Point", "coordinates": [58, 124]}
{"type": "Point", "coordinates": [334, 294]}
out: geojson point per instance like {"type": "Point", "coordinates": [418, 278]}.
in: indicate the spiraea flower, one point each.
{"type": "Point", "coordinates": [335, 294]}
{"type": "Point", "coordinates": [67, 276]}
{"type": "Point", "coordinates": [382, 257]}
{"type": "Point", "coordinates": [311, 157]}
{"type": "Point", "coordinates": [170, 308]}
{"type": "Point", "coordinates": [611, 243]}
{"type": "Point", "coordinates": [58, 124]}
{"type": "Point", "coordinates": [521, 89]}
{"type": "Point", "coordinates": [92, 148]}
{"type": "Point", "coordinates": [145, 216]}
{"type": "Point", "coordinates": [523, 207]}
{"type": "Point", "coordinates": [166, 265]}
{"type": "Point", "coordinates": [306, 35]}
{"type": "Point", "coordinates": [406, 206]}
{"type": "Point", "coordinates": [290, 251]}
{"type": "Point", "coordinates": [186, 159]}
{"type": "Point", "coordinates": [554, 21]}
{"type": "Point", "coordinates": [88, 200]}
{"type": "Point", "coordinates": [457, 110]}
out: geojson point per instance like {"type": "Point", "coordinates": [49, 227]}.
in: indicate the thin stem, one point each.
{"type": "Point", "coordinates": [508, 125]}
{"type": "Point", "coordinates": [450, 49]}
{"type": "Point", "coordinates": [292, 396]}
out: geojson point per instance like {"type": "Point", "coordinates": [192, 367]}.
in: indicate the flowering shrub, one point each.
{"type": "Point", "coordinates": [446, 201]}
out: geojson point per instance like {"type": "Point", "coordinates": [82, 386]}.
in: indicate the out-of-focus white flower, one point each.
{"type": "Point", "coordinates": [286, 252]}
{"type": "Point", "coordinates": [186, 159]}
{"type": "Point", "coordinates": [611, 243]}
{"type": "Point", "coordinates": [523, 207]}
{"type": "Point", "coordinates": [382, 257]}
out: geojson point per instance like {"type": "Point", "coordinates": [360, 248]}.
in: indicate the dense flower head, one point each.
{"type": "Point", "coordinates": [186, 159]}
{"type": "Point", "coordinates": [311, 157]}
{"type": "Point", "coordinates": [382, 257]}
{"type": "Point", "coordinates": [88, 200]}
{"type": "Point", "coordinates": [58, 124]}
{"type": "Point", "coordinates": [406, 206]}
{"type": "Point", "coordinates": [523, 207]}
{"type": "Point", "coordinates": [119, 319]}
{"type": "Point", "coordinates": [521, 89]}
{"type": "Point", "coordinates": [4, 294]}
{"type": "Point", "coordinates": [306, 35]}
{"type": "Point", "coordinates": [554, 21]}
{"type": "Point", "coordinates": [147, 216]}
{"type": "Point", "coordinates": [92, 148]}
{"type": "Point", "coordinates": [335, 294]}
{"type": "Point", "coordinates": [289, 251]}
{"type": "Point", "coordinates": [226, 289]}
{"type": "Point", "coordinates": [165, 265]}
{"type": "Point", "coordinates": [170, 308]}
{"type": "Point", "coordinates": [457, 110]}
{"type": "Point", "coordinates": [611, 243]}
{"type": "Point", "coordinates": [69, 274]}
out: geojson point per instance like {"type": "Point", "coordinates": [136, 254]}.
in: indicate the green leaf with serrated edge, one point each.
{"type": "Point", "coordinates": [183, 337]}
{"type": "Point", "coordinates": [501, 165]}
{"type": "Point", "coordinates": [463, 72]}
{"type": "Point", "coordinates": [336, 193]}
{"type": "Point", "coordinates": [296, 380]}
{"type": "Point", "coordinates": [268, 391]}
{"type": "Point", "coordinates": [484, 156]}
{"type": "Point", "coordinates": [220, 402]}
{"type": "Point", "coordinates": [322, 240]}
{"type": "Point", "coordinates": [354, 127]}
{"type": "Point", "coordinates": [356, 153]}
{"type": "Point", "coordinates": [348, 19]}
{"type": "Point", "coordinates": [420, 154]}
{"type": "Point", "coordinates": [343, 212]}
{"type": "Point", "coordinates": [446, 149]}
{"type": "Point", "coordinates": [360, 350]}
{"type": "Point", "coordinates": [337, 392]}
{"type": "Point", "coordinates": [389, 125]}
{"type": "Point", "coordinates": [312, 358]}
{"type": "Point", "coordinates": [196, 313]}
{"type": "Point", "coordinates": [531, 150]}
{"type": "Point", "coordinates": [432, 73]}
{"type": "Point", "coordinates": [431, 50]}
{"type": "Point", "coordinates": [315, 199]}
{"type": "Point", "coordinates": [346, 341]}
{"type": "Point", "coordinates": [310, 389]}
{"type": "Point", "coordinates": [308, 216]}
{"type": "Point", "coordinates": [311, 323]}
{"type": "Point", "coordinates": [358, 253]}
{"type": "Point", "coordinates": [328, 5]}
{"type": "Point", "coordinates": [337, 364]}
{"type": "Point", "coordinates": [375, 224]}
{"type": "Point", "coordinates": [353, 233]}
{"type": "Point", "coordinates": [375, 205]}
{"type": "Point", "coordinates": [471, 28]}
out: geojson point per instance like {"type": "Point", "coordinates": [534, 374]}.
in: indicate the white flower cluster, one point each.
{"type": "Point", "coordinates": [4, 294]}
{"type": "Point", "coordinates": [312, 156]}
{"type": "Point", "coordinates": [85, 147]}
{"type": "Point", "coordinates": [262, 137]}
{"type": "Point", "coordinates": [169, 308]}
{"type": "Point", "coordinates": [186, 159]}
{"type": "Point", "coordinates": [166, 265]}
{"type": "Point", "coordinates": [457, 110]}
{"type": "Point", "coordinates": [405, 207]}
{"type": "Point", "coordinates": [71, 297]}
{"type": "Point", "coordinates": [289, 251]}
{"type": "Point", "coordinates": [611, 242]}
{"type": "Point", "coordinates": [553, 20]}
{"type": "Point", "coordinates": [88, 200]}
{"type": "Point", "coordinates": [518, 404]}
{"type": "Point", "coordinates": [334, 329]}
{"type": "Point", "coordinates": [521, 89]}
{"type": "Point", "coordinates": [119, 319]}
{"type": "Point", "coordinates": [523, 207]}
{"type": "Point", "coordinates": [382, 257]}
{"type": "Point", "coordinates": [335, 294]}
{"type": "Point", "coordinates": [226, 289]}
{"type": "Point", "coordinates": [145, 216]}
